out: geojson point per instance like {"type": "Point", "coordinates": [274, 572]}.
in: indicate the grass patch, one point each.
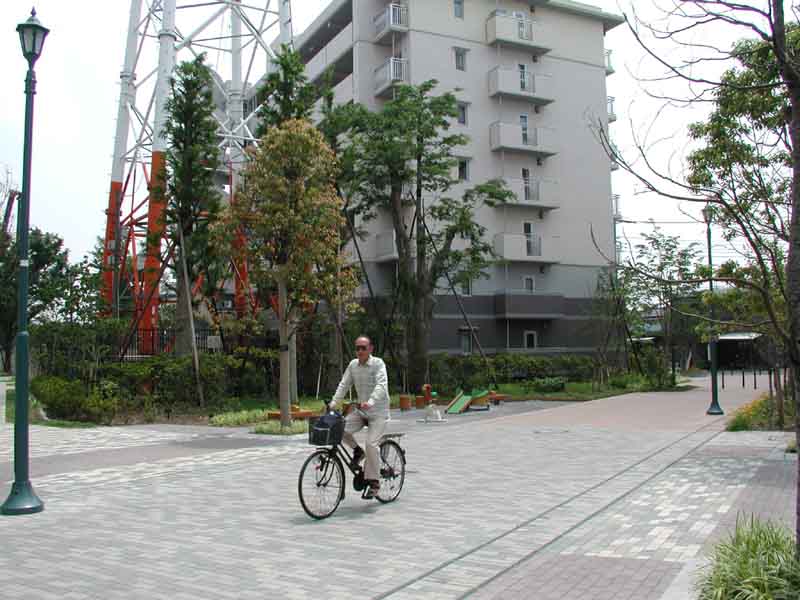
{"type": "Point", "coordinates": [757, 561]}
{"type": "Point", "coordinates": [274, 428]}
{"type": "Point", "coordinates": [791, 448]}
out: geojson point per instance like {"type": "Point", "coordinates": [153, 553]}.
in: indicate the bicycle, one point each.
{"type": "Point", "coordinates": [321, 483]}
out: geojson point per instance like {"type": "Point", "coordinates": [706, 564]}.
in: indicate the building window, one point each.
{"type": "Point", "coordinates": [463, 169]}
{"type": "Point", "coordinates": [531, 339]}
{"type": "Point", "coordinates": [461, 58]}
{"type": "Point", "coordinates": [529, 283]}
{"type": "Point", "coordinates": [523, 124]}
{"type": "Point", "coordinates": [462, 113]}
{"type": "Point", "coordinates": [458, 8]}
{"type": "Point", "coordinates": [466, 288]}
{"type": "Point", "coordinates": [526, 183]}
{"type": "Point", "coordinates": [465, 341]}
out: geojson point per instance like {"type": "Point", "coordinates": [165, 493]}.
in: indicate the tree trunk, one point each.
{"type": "Point", "coordinates": [293, 395]}
{"type": "Point", "coordinates": [779, 406]}
{"type": "Point", "coordinates": [283, 331]}
{"type": "Point", "coordinates": [192, 339]}
{"type": "Point", "coordinates": [183, 314]}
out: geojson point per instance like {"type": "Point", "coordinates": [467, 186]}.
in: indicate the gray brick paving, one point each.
{"type": "Point", "coordinates": [553, 504]}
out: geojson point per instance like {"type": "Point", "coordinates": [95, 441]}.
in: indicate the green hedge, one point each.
{"type": "Point", "coordinates": [450, 372]}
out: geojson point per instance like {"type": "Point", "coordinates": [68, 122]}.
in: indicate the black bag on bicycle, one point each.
{"type": "Point", "coordinates": [326, 430]}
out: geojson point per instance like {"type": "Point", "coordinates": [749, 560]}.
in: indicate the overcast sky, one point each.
{"type": "Point", "coordinates": [77, 96]}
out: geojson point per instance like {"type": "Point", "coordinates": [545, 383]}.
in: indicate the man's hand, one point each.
{"type": "Point", "coordinates": [365, 406]}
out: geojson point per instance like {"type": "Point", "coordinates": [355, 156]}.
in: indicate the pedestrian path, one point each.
{"type": "Point", "coordinates": [606, 499]}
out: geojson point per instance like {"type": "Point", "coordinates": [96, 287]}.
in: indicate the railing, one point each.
{"type": "Point", "coordinates": [385, 245]}
{"type": "Point", "coordinates": [522, 26]}
{"type": "Point", "coordinates": [395, 15]}
{"type": "Point", "coordinates": [533, 191]}
{"type": "Point", "coordinates": [533, 244]}
{"type": "Point", "coordinates": [147, 342]}
{"type": "Point", "coordinates": [612, 116]}
{"type": "Point", "coordinates": [609, 64]}
{"type": "Point", "coordinates": [394, 69]}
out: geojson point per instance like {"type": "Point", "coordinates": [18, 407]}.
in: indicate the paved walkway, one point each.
{"type": "Point", "coordinates": [616, 498]}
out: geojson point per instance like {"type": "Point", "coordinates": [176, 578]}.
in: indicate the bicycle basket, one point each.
{"type": "Point", "coordinates": [326, 430]}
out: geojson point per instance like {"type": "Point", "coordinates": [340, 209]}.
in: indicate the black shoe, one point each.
{"type": "Point", "coordinates": [358, 456]}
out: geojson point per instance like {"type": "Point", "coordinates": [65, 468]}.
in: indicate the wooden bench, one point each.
{"type": "Point", "coordinates": [496, 398]}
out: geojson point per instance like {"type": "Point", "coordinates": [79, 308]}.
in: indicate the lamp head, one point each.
{"type": "Point", "coordinates": [708, 213]}
{"type": "Point", "coordinates": [31, 37]}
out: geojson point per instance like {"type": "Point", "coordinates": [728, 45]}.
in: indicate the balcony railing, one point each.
{"type": "Point", "coordinates": [612, 116]}
{"type": "Point", "coordinates": [538, 141]}
{"type": "Point", "coordinates": [521, 84]}
{"type": "Point", "coordinates": [615, 207]}
{"type": "Point", "coordinates": [393, 18]}
{"type": "Point", "coordinates": [517, 31]}
{"type": "Point", "coordinates": [523, 248]}
{"type": "Point", "coordinates": [609, 64]}
{"type": "Point", "coordinates": [385, 246]}
{"type": "Point", "coordinates": [537, 193]}
{"type": "Point", "coordinates": [392, 71]}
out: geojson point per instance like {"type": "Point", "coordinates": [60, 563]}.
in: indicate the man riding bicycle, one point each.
{"type": "Point", "coordinates": [367, 374]}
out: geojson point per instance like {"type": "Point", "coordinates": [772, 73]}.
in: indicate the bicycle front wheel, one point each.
{"type": "Point", "coordinates": [393, 471]}
{"type": "Point", "coordinates": [321, 484]}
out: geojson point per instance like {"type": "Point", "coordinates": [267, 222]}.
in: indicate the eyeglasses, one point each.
{"type": "Point", "coordinates": [361, 348]}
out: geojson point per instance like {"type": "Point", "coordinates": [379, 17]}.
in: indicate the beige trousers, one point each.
{"type": "Point", "coordinates": [375, 423]}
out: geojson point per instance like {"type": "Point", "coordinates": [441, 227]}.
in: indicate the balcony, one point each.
{"type": "Point", "coordinates": [612, 116]}
{"type": "Point", "coordinates": [609, 64]}
{"type": "Point", "coordinates": [514, 83]}
{"type": "Point", "coordinates": [537, 141]}
{"type": "Point", "coordinates": [519, 247]}
{"type": "Point", "coordinates": [393, 71]}
{"type": "Point", "coordinates": [393, 19]}
{"type": "Point", "coordinates": [337, 53]}
{"type": "Point", "coordinates": [615, 207]}
{"type": "Point", "coordinates": [536, 193]}
{"type": "Point", "coordinates": [519, 32]}
{"type": "Point", "coordinates": [385, 246]}
{"type": "Point", "coordinates": [524, 304]}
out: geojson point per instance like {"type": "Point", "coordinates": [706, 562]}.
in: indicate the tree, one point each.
{"type": "Point", "coordinates": [286, 93]}
{"type": "Point", "coordinates": [291, 216]}
{"type": "Point", "coordinates": [48, 282]}
{"type": "Point", "coordinates": [752, 142]}
{"type": "Point", "coordinates": [662, 272]}
{"type": "Point", "coordinates": [403, 160]}
{"type": "Point", "coordinates": [192, 195]}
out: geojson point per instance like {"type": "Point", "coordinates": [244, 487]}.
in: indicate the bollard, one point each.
{"type": "Point", "coordinates": [723, 379]}
{"type": "Point", "coordinates": [755, 385]}
{"type": "Point", "coordinates": [742, 377]}
{"type": "Point", "coordinates": [769, 376]}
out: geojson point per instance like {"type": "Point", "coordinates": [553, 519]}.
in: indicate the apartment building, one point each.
{"type": "Point", "coordinates": [530, 77]}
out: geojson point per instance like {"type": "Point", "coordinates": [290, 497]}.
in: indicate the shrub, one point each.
{"type": "Point", "coordinates": [757, 561]}
{"type": "Point", "coordinates": [102, 404]}
{"type": "Point", "coordinates": [751, 416]}
{"type": "Point", "coordinates": [62, 399]}
{"type": "Point", "coordinates": [274, 428]}
{"type": "Point", "coordinates": [546, 384]}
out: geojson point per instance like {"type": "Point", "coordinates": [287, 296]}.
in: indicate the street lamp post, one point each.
{"type": "Point", "coordinates": [23, 500]}
{"type": "Point", "coordinates": [714, 409]}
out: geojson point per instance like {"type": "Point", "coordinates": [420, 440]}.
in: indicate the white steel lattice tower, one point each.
{"type": "Point", "coordinates": [235, 36]}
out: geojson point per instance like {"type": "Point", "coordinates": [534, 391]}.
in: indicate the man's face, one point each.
{"type": "Point", "coordinates": [363, 349]}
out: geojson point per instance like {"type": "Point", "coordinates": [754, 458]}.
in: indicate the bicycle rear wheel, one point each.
{"type": "Point", "coordinates": [393, 471]}
{"type": "Point", "coordinates": [321, 484]}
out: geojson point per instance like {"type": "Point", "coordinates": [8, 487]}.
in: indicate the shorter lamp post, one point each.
{"type": "Point", "coordinates": [714, 409]}
{"type": "Point", "coordinates": [23, 500]}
